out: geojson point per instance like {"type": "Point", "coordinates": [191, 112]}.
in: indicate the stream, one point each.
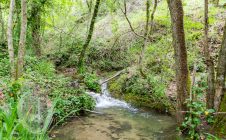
{"type": "Point", "coordinates": [117, 120]}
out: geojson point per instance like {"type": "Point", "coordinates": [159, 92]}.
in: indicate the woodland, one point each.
{"type": "Point", "coordinates": [112, 69]}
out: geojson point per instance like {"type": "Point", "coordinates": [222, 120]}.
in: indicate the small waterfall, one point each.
{"type": "Point", "coordinates": [105, 100]}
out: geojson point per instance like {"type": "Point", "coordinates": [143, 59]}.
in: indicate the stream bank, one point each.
{"type": "Point", "coordinates": [115, 119]}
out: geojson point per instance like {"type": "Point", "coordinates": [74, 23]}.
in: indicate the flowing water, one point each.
{"type": "Point", "coordinates": [117, 120]}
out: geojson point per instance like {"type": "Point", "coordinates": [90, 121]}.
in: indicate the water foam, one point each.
{"type": "Point", "coordinates": [104, 100]}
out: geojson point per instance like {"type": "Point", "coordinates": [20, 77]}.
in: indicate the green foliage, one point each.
{"type": "Point", "coordinates": [58, 87]}
{"type": "Point", "coordinates": [114, 25]}
{"type": "Point", "coordinates": [112, 5]}
{"type": "Point", "coordinates": [45, 68]}
{"type": "Point", "coordinates": [198, 116]}
{"type": "Point", "coordinates": [191, 24]}
{"type": "Point", "coordinates": [108, 57]}
{"type": "Point", "coordinates": [68, 54]}
{"type": "Point", "coordinates": [11, 127]}
{"type": "Point", "coordinates": [4, 67]}
{"type": "Point", "coordinates": [193, 120]}
{"type": "Point", "coordinates": [141, 92]}
{"type": "Point", "coordinates": [63, 43]}
{"type": "Point", "coordinates": [92, 82]}
{"type": "Point", "coordinates": [72, 105]}
{"type": "Point", "coordinates": [193, 36]}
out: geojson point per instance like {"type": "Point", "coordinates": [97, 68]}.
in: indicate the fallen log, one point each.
{"type": "Point", "coordinates": [114, 76]}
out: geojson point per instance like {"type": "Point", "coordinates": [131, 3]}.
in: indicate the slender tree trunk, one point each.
{"type": "Point", "coordinates": [10, 39]}
{"type": "Point", "coordinates": [89, 37]}
{"type": "Point", "coordinates": [209, 64]}
{"type": "Point", "coordinates": [17, 24]}
{"type": "Point", "coordinates": [36, 27]}
{"type": "Point", "coordinates": [22, 43]}
{"type": "Point", "coordinates": [153, 15]}
{"type": "Point", "coordinates": [221, 72]}
{"type": "Point", "coordinates": [147, 32]}
{"type": "Point", "coordinates": [2, 40]}
{"type": "Point", "coordinates": [182, 74]}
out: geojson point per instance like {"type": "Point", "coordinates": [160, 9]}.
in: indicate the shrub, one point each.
{"type": "Point", "coordinates": [58, 88]}
{"type": "Point", "coordinates": [198, 116]}
{"type": "Point", "coordinates": [72, 105]}
{"type": "Point", "coordinates": [91, 81]}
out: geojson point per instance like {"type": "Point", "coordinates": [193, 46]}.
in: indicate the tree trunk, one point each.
{"type": "Point", "coordinates": [10, 38]}
{"type": "Point", "coordinates": [148, 31]}
{"type": "Point", "coordinates": [209, 64]}
{"type": "Point", "coordinates": [36, 27]}
{"type": "Point", "coordinates": [146, 34]}
{"type": "Point", "coordinates": [17, 25]}
{"type": "Point", "coordinates": [221, 72]}
{"type": "Point", "coordinates": [182, 74]}
{"type": "Point", "coordinates": [22, 43]}
{"type": "Point", "coordinates": [2, 40]}
{"type": "Point", "coordinates": [89, 37]}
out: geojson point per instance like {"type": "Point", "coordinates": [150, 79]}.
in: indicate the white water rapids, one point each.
{"type": "Point", "coordinates": [104, 100]}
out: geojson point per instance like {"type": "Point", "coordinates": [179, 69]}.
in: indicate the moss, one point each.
{"type": "Point", "coordinates": [147, 101]}
{"type": "Point", "coordinates": [220, 124]}
{"type": "Point", "coordinates": [122, 88]}
{"type": "Point", "coordinates": [116, 86]}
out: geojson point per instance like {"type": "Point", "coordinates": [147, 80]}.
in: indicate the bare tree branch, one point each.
{"type": "Point", "coordinates": [129, 22]}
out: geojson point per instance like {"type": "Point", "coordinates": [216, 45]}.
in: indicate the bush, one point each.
{"type": "Point", "coordinates": [91, 81]}
{"type": "Point", "coordinates": [43, 67]}
{"type": "Point", "coordinates": [72, 105]}
{"type": "Point", "coordinates": [199, 116]}
{"type": "Point", "coordinates": [41, 73]}
{"type": "Point", "coordinates": [68, 55]}
{"type": "Point", "coordinates": [68, 99]}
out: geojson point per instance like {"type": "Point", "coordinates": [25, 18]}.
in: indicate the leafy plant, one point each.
{"type": "Point", "coordinates": [71, 106]}
{"type": "Point", "coordinates": [198, 116]}
{"type": "Point", "coordinates": [12, 129]}
{"type": "Point", "coordinates": [91, 81]}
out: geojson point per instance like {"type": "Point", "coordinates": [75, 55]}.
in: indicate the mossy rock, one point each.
{"type": "Point", "coordinates": [148, 100]}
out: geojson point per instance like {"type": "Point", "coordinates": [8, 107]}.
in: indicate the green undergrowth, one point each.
{"type": "Point", "coordinates": [141, 92]}
{"type": "Point", "coordinates": [91, 80]}
{"type": "Point", "coordinates": [59, 88]}
{"type": "Point", "coordinates": [68, 100]}
{"type": "Point", "coordinates": [11, 127]}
